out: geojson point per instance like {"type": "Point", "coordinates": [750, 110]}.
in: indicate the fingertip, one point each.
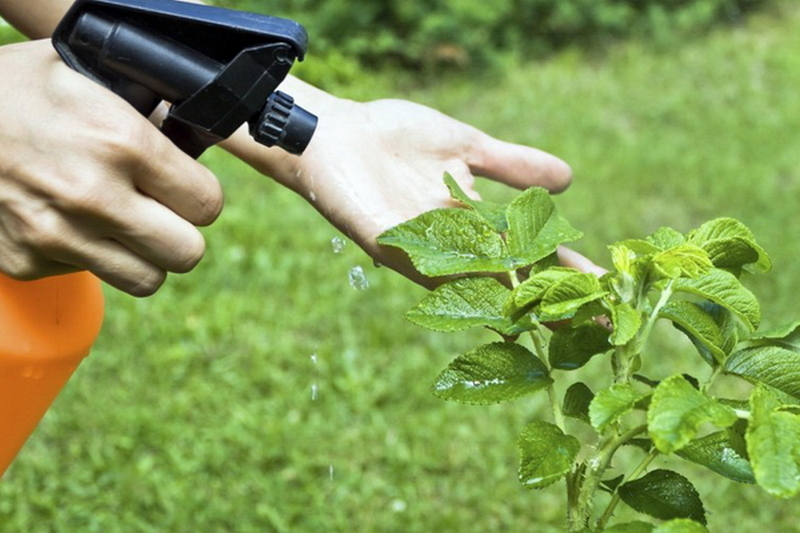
{"type": "Point", "coordinates": [519, 166]}
{"type": "Point", "coordinates": [560, 176]}
{"type": "Point", "coordinates": [146, 286]}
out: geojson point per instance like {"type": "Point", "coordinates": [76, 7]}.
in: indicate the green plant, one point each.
{"type": "Point", "coordinates": [504, 275]}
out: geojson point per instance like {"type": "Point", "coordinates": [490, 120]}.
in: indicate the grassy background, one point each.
{"type": "Point", "coordinates": [195, 411]}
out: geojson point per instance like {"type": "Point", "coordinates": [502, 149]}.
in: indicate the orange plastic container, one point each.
{"type": "Point", "coordinates": [46, 328]}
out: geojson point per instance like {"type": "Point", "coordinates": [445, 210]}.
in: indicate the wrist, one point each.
{"type": "Point", "coordinates": [275, 162]}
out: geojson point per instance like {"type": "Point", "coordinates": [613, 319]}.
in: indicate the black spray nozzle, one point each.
{"type": "Point", "coordinates": [282, 123]}
{"type": "Point", "coordinates": [218, 68]}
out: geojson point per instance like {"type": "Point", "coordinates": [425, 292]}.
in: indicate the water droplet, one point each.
{"type": "Point", "coordinates": [338, 244]}
{"type": "Point", "coordinates": [358, 280]}
{"type": "Point", "coordinates": [313, 359]}
{"type": "Point", "coordinates": [330, 472]}
{"type": "Point", "coordinates": [398, 505]}
{"type": "Point", "coordinates": [312, 196]}
{"type": "Point", "coordinates": [314, 392]}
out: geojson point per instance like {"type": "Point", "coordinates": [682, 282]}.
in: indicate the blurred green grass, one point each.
{"type": "Point", "coordinates": [195, 410]}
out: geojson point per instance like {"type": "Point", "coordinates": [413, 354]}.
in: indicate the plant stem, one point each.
{"type": "Point", "coordinates": [597, 464]}
{"type": "Point", "coordinates": [558, 414]}
{"type": "Point", "coordinates": [635, 473]}
{"type": "Point", "coordinates": [624, 356]}
{"type": "Point", "coordinates": [651, 320]}
{"type": "Point", "coordinates": [707, 384]}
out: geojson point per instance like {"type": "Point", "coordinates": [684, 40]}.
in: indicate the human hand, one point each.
{"type": "Point", "coordinates": [371, 166]}
{"type": "Point", "coordinates": [88, 183]}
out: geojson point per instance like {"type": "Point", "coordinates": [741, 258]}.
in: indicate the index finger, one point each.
{"type": "Point", "coordinates": [174, 179]}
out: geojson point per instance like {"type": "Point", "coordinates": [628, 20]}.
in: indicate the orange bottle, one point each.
{"type": "Point", "coordinates": [46, 328]}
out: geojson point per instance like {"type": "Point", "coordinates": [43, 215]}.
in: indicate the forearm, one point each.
{"type": "Point", "coordinates": [35, 18]}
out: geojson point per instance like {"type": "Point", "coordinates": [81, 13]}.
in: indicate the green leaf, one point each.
{"type": "Point", "coordinates": [681, 525]}
{"type": "Point", "coordinates": [577, 400]}
{"type": "Point", "coordinates": [622, 256]}
{"type": "Point", "coordinates": [776, 365]}
{"type": "Point", "coordinates": [535, 229]}
{"type": "Point", "coordinates": [611, 404]}
{"type": "Point", "coordinates": [685, 260]}
{"type": "Point", "coordinates": [630, 527]}
{"type": "Point", "coordinates": [443, 242]}
{"type": "Point", "coordinates": [465, 303]}
{"type": "Point", "coordinates": [532, 290]}
{"type": "Point", "coordinates": [678, 409]}
{"type": "Point", "coordinates": [611, 484]}
{"type": "Point", "coordinates": [494, 214]}
{"type": "Point", "coordinates": [737, 436]}
{"type": "Point", "coordinates": [564, 297]}
{"type": "Point", "coordinates": [729, 325]}
{"type": "Point", "coordinates": [665, 238]}
{"type": "Point", "coordinates": [716, 452]}
{"type": "Point", "coordinates": [730, 245]}
{"type": "Point", "coordinates": [664, 494]}
{"type": "Point", "coordinates": [635, 248]}
{"type": "Point", "coordinates": [773, 444]}
{"type": "Point", "coordinates": [631, 271]}
{"type": "Point", "coordinates": [784, 335]}
{"type": "Point", "coordinates": [725, 289]}
{"type": "Point", "coordinates": [626, 321]}
{"type": "Point", "coordinates": [492, 373]}
{"type": "Point", "coordinates": [698, 325]}
{"type": "Point", "coordinates": [572, 347]}
{"type": "Point", "coordinates": [546, 454]}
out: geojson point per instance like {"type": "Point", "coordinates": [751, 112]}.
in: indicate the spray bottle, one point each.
{"type": "Point", "coordinates": [219, 69]}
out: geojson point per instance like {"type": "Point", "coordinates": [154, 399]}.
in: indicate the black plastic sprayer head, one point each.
{"type": "Point", "coordinates": [219, 68]}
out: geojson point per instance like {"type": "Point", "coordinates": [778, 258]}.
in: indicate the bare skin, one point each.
{"type": "Point", "coordinates": [100, 188]}
{"type": "Point", "coordinates": [88, 183]}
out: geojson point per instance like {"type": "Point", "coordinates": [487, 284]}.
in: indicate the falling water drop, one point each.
{"type": "Point", "coordinates": [314, 385]}
{"type": "Point", "coordinates": [330, 472]}
{"type": "Point", "coordinates": [338, 244]}
{"type": "Point", "coordinates": [358, 280]}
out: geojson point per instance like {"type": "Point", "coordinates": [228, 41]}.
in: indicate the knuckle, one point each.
{"type": "Point", "coordinates": [128, 144]}
{"type": "Point", "coordinates": [21, 267]}
{"type": "Point", "coordinates": [85, 195]}
{"type": "Point", "coordinates": [210, 203]}
{"type": "Point", "coordinates": [45, 233]}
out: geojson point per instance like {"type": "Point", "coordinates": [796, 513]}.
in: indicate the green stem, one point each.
{"type": "Point", "coordinates": [707, 384]}
{"type": "Point", "coordinates": [596, 466]}
{"type": "Point", "coordinates": [635, 473]}
{"type": "Point", "coordinates": [558, 414]}
{"type": "Point", "coordinates": [572, 478]}
{"type": "Point", "coordinates": [625, 356]}
{"type": "Point", "coordinates": [666, 294]}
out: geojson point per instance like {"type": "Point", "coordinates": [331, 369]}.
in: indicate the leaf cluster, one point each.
{"type": "Point", "coordinates": [503, 272]}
